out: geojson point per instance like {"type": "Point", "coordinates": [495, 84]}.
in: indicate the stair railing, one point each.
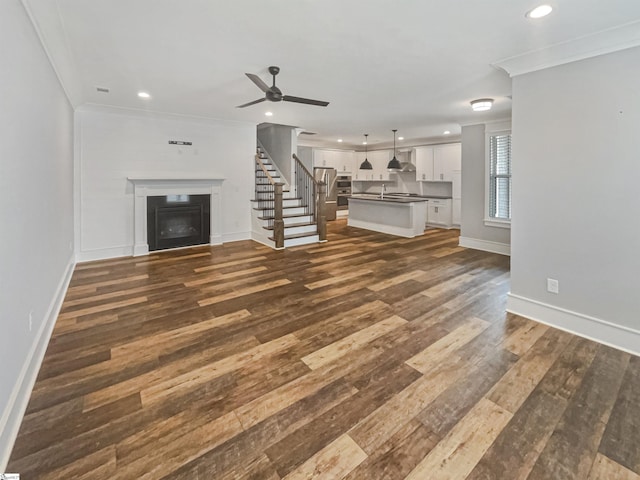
{"type": "Point", "coordinates": [314, 195]}
{"type": "Point", "coordinates": [269, 198]}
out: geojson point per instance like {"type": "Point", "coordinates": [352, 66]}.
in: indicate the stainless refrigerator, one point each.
{"type": "Point", "coordinates": [328, 176]}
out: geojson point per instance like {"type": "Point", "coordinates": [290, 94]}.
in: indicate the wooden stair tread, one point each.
{"type": "Point", "coordinates": [266, 199]}
{"type": "Point", "coordinates": [284, 208]}
{"type": "Point", "coordinates": [291, 225]}
{"type": "Point", "coordinates": [296, 235]}
{"type": "Point", "coordinates": [291, 215]}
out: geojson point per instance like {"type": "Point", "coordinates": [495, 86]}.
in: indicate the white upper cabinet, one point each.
{"type": "Point", "coordinates": [341, 160]}
{"type": "Point", "coordinates": [379, 159]}
{"type": "Point", "coordinates": [438, 162]}
{"type": "Point", "coordinates": [424, 163]}
{"type": "Point", "coordinates": [446, 160]}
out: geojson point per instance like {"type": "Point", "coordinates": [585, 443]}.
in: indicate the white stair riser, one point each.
{"type": "Point", "coordinates": [291, 202]}
{"type": "Point", "coordinates": [285, 196]}
{"type": "Point", "coordinates": [288, 211]}
{"type": "Point", "coordinates": [290, 220]}
{"type": "Point", "coordinates": [303, 229]}
{"type": "Point", "coordinates": [294, 242]}
{"type": "Point", "coordinates": [302, 219]}
{"type": "Point", "coordinates": [286, 202]}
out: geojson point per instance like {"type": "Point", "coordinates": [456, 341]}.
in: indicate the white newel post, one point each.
{"type": "Point", "coordinates": [144, 187]}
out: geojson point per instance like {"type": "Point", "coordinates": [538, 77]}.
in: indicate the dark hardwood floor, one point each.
{"type": "Point", "coordinates": [368, 357]}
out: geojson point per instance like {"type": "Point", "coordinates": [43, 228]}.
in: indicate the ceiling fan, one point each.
{"type": "Point", "coordinates": [274, 94]}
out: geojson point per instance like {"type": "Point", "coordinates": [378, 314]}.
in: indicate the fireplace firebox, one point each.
{"type": "Point", "coordinates": [178, 221]}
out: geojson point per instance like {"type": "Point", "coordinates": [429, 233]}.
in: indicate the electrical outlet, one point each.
{"type": "Point", "coordinates": [553, 285]}
{"type": "Point", "coordinates": [31, 320]}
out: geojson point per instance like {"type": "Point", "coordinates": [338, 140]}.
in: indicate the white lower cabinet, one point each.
{"type": "Point", "coordinates": [439, 212]}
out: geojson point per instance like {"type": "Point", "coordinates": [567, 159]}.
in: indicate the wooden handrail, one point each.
{"type": "Point", "coordinates": [295, 157]}
{"type": "Point", "coordinates": [264, 169]}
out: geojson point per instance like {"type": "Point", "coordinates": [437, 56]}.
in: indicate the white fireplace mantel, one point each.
{"type": "Point", "coordinates": [168, 185]}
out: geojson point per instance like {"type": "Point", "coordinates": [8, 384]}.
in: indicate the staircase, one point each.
{"type": "Point", "coordinates": [298, 213]}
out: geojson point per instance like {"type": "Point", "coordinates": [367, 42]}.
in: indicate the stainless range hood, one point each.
{"type": "Point", "coordinates": [407, 167]}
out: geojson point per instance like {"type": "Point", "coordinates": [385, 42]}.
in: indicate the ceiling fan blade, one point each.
{"type": "Point", "coordinates": [308, 101]}
{"type": "Point", "coordinates": [251, 103]}
{"type": "Point", "coordinates": [258, 81]}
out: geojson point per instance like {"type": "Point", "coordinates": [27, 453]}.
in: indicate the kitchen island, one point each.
{"type": "Point", "coordinates": [402, 216]}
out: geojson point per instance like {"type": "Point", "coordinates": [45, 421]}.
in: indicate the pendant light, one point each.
{"type": "Point", "coordinates": [366, 165]}
{"type": "Point", "coordinates": [394, 164]}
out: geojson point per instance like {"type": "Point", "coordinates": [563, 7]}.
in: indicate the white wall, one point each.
{"type": "Point", "coordinates": [576, 206]}
{"type": "Point", "coordinates": [473, 232]}
{"type": "Point", "coordinates": [281, 142]}
{"type": "Point", "coordinates": [305, 154]}
{"type": "Point", "coordinates": [36, 211]}
{"type": "Point", "coordinates": [113, 144]}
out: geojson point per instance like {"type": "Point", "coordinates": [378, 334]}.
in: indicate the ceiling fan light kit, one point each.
{"type": "Point", "coordinates": [366, 165]}
{"type": "Point", "coordinates": [274, 94]}
{"type": "Point", "coordinates": [394, 164]}
{"type": "Point", "coordinates": [482, 104]}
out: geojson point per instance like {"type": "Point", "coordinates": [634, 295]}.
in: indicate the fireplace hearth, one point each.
{"type": "Point", "coordinates": [178, 221]}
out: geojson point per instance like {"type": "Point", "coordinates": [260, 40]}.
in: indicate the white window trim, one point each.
{"type": "Point", "coordinates": [502, 128]}
{"type": "Point", "coordinates": [492, 222]}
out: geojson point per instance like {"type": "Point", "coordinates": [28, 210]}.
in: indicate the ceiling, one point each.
{"type": "Point", "coordinates": [413, 65]}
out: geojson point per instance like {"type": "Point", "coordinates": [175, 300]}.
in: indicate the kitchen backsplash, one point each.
{"type": "Point", "coordinates": [404, 183]}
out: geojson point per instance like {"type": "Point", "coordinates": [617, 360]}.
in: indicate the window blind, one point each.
{"type": "Point", "coordinates": [500, 177]}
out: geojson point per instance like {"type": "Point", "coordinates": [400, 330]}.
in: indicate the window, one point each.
{"type": "Point", "coordinates": [499, 181]}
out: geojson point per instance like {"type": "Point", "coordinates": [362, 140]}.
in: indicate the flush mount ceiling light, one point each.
{"type": "Point", "coordinates": [144, 95]}
{"type": "Point", "coordinates": [482, 104]}
{"type": "Point", "coordinates": [269, 114]}
{"type": "Point", "coordinates": [539, 11]}
{"type": "Point", "coordinates": [339, 140]}
{"type": "Point", "coordinates": [366, 165]}
{"type": "Point", "coordinates": [394, 164]}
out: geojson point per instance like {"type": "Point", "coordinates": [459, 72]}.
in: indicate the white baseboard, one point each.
{"type": "Point", "coordinates": [235, 236]}
{"type": "Point", "coordinates": [105, 253]}
{"type": "Point", "coordinates": [136, 251]}
{"type": "Point", "coordinates": [596, 329]}
{"type": "Point", "coordinates": [485, 245]}
{"type": "Point", "coordinates": [19, 399]}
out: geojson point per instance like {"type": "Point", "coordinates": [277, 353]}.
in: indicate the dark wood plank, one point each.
{"type": "Point", "coordinates": [572, 447]}
{"type": "Point", "coordinates": [237, 361]}
{"type": "Point", "coordinates": [620, 440]}
{"type": "Point", "coordinates": [519, 445]}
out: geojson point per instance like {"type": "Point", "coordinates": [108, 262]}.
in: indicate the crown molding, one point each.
{"type": "Point", "coordinates": [599, 43]}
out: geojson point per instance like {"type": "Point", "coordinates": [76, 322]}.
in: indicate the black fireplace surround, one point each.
{"type": "Point", "coordinates": [178, 221]}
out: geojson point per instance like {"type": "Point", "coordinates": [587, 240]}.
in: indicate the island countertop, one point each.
{"type": "Point", "coordinates": [388, 198]}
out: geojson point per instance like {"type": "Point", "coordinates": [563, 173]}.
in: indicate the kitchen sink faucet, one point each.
{"type": "Point", "coordinates": [382, 191]}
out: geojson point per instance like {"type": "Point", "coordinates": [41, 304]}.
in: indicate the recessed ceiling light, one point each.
{"type": "Point", "coordinates": [400, 138]}
{"type": "Point", "coordinates": [446, 132]}
{"type": "Point", "coordinates": [364, 143]}
{"type": "Point", "coordinates": [144, 95]}
{"type": "Point", "coordinates": [539, 12]}
{"type": "Point", "coordinates": [269, 114]}
{"type": "Point", "coordinates": [339, 140]}
{"type": "Point", "coordinates": [482, 104]}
